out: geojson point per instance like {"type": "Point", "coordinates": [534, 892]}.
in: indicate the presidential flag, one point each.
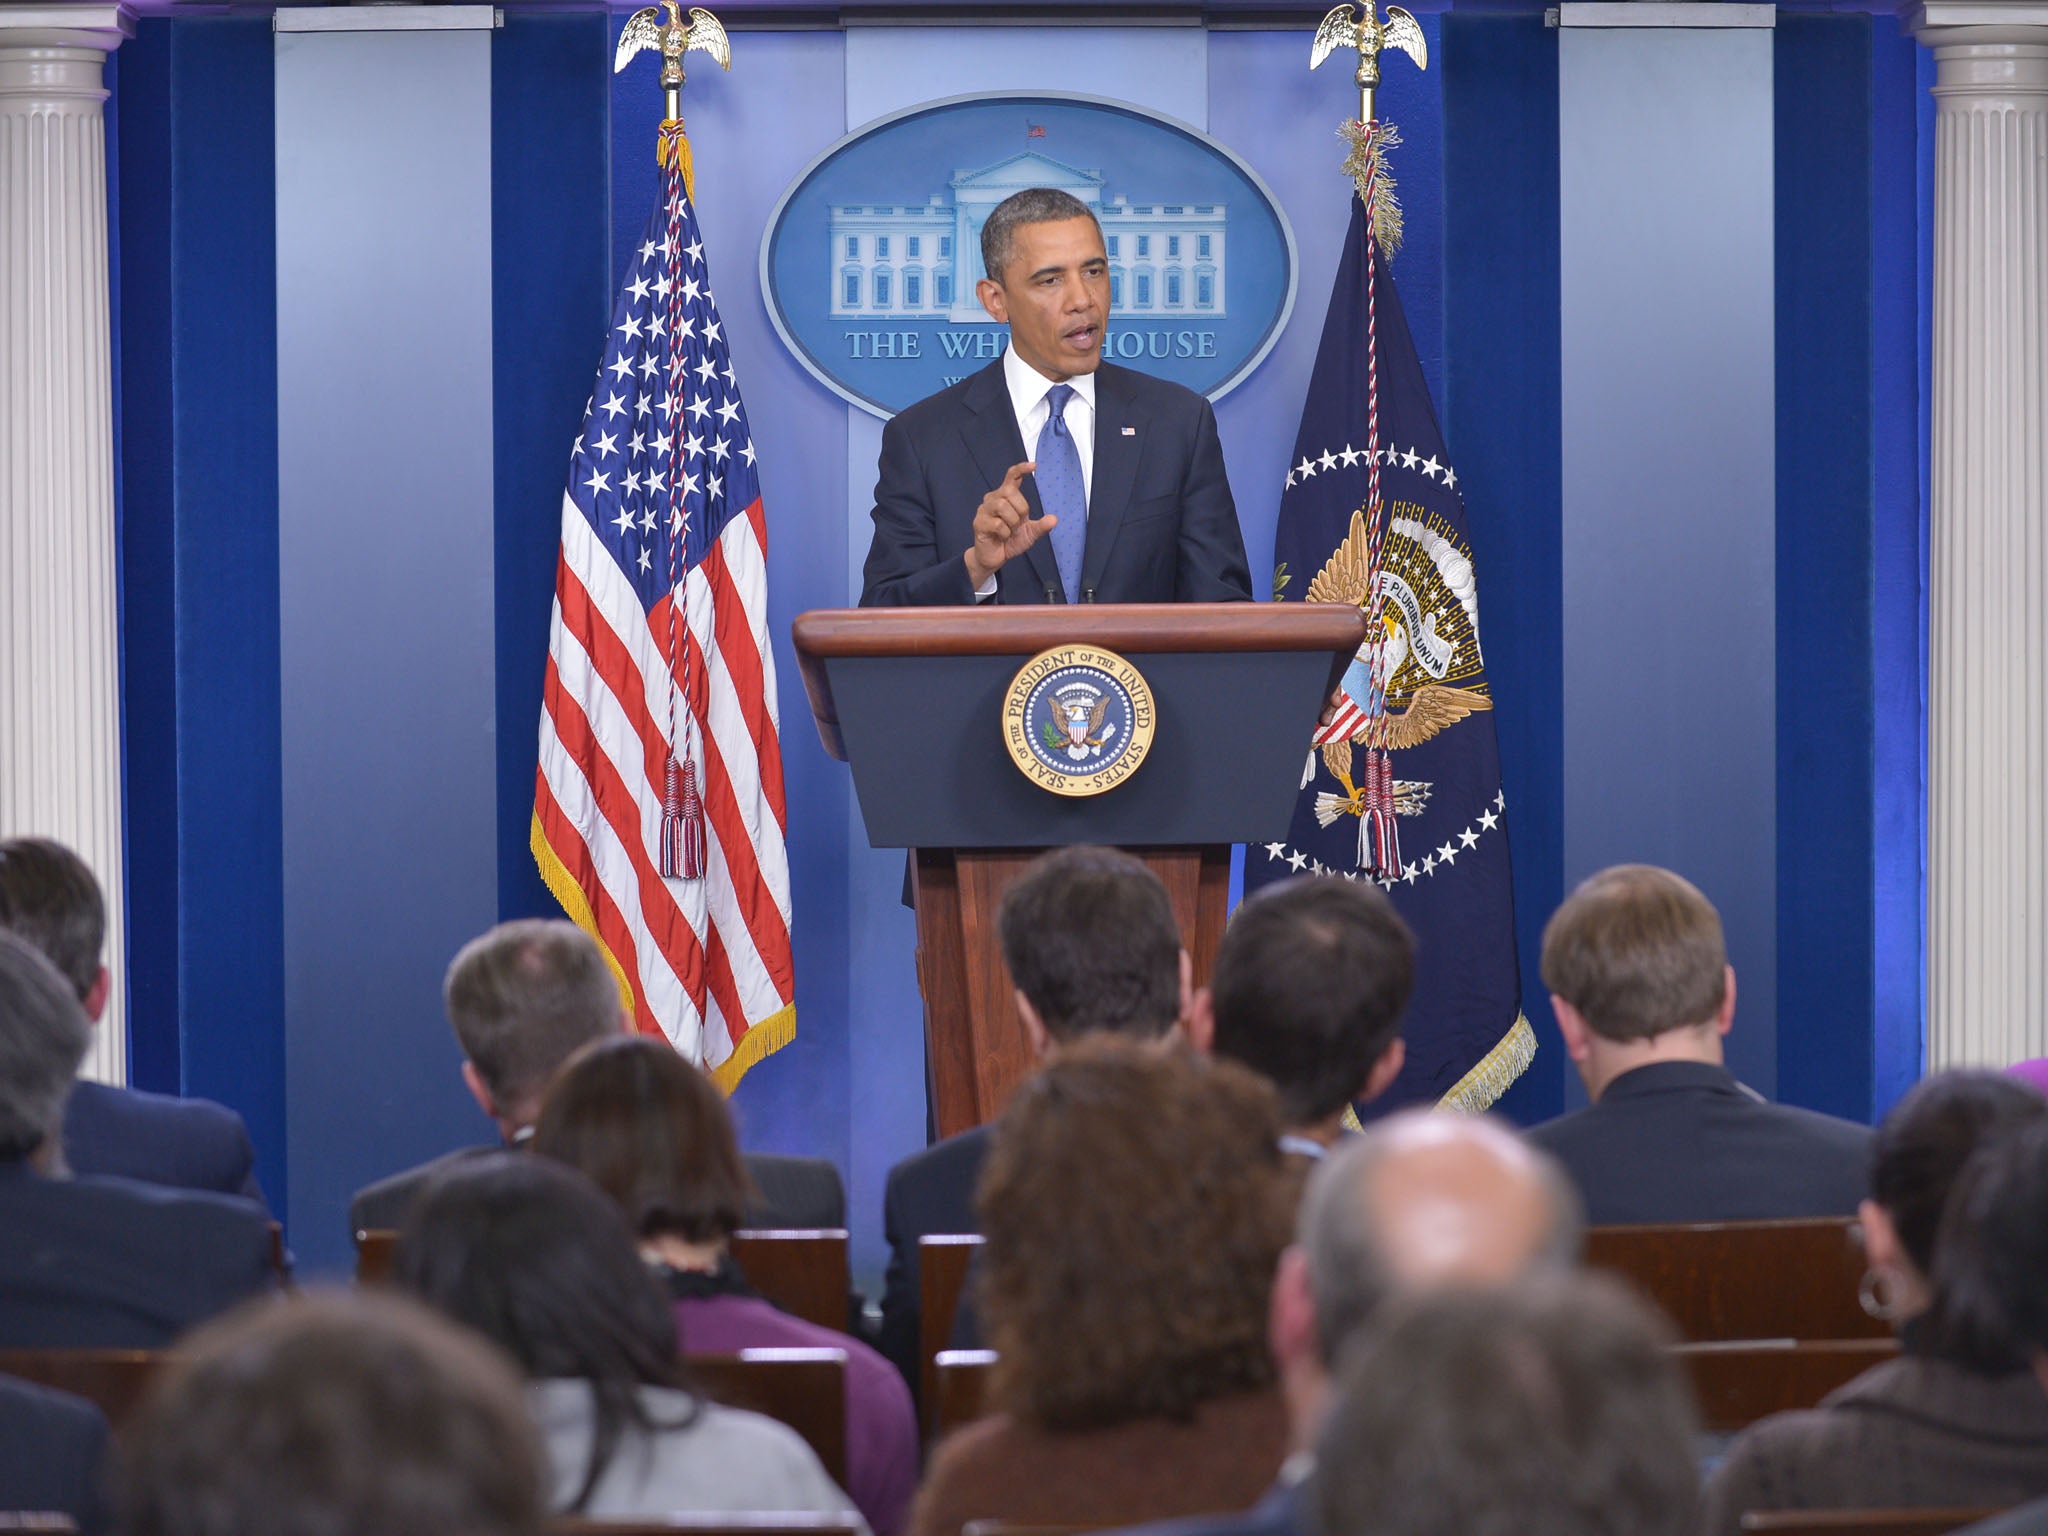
{"type": "Point", "coordinates": [1403, 786]}
{"type": "Point", "coordinates": [659, 817]}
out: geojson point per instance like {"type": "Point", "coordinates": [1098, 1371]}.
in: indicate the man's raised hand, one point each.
{"type": "Point", "coordinates": [1004, 526]}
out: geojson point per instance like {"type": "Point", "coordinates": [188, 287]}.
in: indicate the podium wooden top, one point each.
{"type": "Point", "coordinates": [831, 634]}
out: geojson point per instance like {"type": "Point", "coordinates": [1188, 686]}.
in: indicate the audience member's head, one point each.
{"type": "Point", "coordinates": [1919, 1153]}
{"type": "Point", "coordinates": [524, 998]}
{"type": "Point", "coordinates": [342, 1415]}
{"type": "Point", "coordinates": [1424, 1201]}
{"type": "Point", "coordinates": [50, 898]}
{"type": "Point", "coordinates": [1553, 1409]}
{"type": "Point", "coordinates": [1308, 989]}
{"type": "Point", "coordinates": [531, 1255]}
{"type": "Point", "coordinates": [1092, 947]}
{"type": "Point", "coordinates": [1133, 1205]}
{"type": "Point", "coordinates": [43, 1037]}
{"type": "Point", "coordinates": [1638, 973]}
{"type": "Point", "coordinates": [651, 1131]}
{"type": "Point", "coordinates": [1990, 1305]}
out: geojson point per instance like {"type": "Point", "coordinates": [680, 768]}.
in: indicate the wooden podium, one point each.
{"type": "Point", "coordinates": [911, 699]}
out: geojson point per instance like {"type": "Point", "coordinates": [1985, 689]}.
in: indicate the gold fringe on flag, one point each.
{"type": "Point", "coordinates": [1367, 166]}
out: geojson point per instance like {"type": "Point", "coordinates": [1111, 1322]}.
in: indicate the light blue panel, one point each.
{"type": "Point", "coordinates": [1163, 68]}
{"type": "Point", "coordinates": [385, 581]}
{"type": "Point", "coordinates": [1668, 386]}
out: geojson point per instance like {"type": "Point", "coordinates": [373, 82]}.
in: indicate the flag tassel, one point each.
{"type": "Point", "coordinates": [682, 823]}
{"type": "Point", "coordinates": [1379, 841]}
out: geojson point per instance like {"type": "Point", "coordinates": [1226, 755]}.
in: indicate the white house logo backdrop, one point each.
{"type": "Point", "coordinates": [870, 259]}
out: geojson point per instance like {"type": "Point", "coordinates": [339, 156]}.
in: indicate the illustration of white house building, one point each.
{"type": "Point", "coordinates": [920, 262]}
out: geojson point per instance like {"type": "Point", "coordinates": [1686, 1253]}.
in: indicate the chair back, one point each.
{"type": "Point", "coordinates": [1861, 1522]}
{"type": "Point", "coordinates": [806, 1273]}
{"type": "Point", "coordinates": [376, 1250]}
{"type": "Point", "coordinates": [963, 1376]}
{"type": "Point", "coordinates": [1740, 1382]}
{"type": "Point", "coordinates": [1745, 1279]}
{"type": "Point", "coordinates": [47, 1521]}
{"type": "Point", "coordinates": [803, 1388]}
{"type": "Point", "coordinates": [114, 1380]}
{"type": "Point", "coordinates": [943, 1260]}
{"type": "Point", "coordinates": [765, 1523]}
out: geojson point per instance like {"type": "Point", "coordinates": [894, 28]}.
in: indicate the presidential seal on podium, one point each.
{"type": "Point", "coordinates": [1078, 720]}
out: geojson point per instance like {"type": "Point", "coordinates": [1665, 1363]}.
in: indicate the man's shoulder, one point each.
{"type": "Point", "coordinates": [142, 1220]}
{"type": "Point", "coordinates": [1155, 392]}
{"type": "Point", "coordinates": [383, 1205]}
{"type": "Point", "coordinates": [946, 405]}
{"type": "Point", "coordinates": [934, 1189]}
{"type": "Point", "coordinates": [96, 1106]}
{"type": "Point", "coordinates": [796, 1191]}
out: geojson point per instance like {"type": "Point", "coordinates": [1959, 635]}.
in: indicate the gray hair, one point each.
{"type": "Point", "coordinates": [43, 1038]}
{"type": "Point", "coordinates": [524, 998]}
{"type": "Point", "coordinates": [1034, 205]}
{"type": "Point", "coordinates": [1351, 1275]}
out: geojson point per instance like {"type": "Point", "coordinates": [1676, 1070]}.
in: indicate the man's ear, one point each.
{"type": "Point", "coordinates": [626, 1024]}
{"type": "Point", "coordinates": [1881, 1245]}
{"type": "Point", "coordinates": [473, 1080]}
{"type": "Point", "coordinates": [1725, 1019]}
{"type": "Point", "coordinates": [95, 1002]}
{"type": "Point", "coordinates": [993, 299]}
{"type": "Point", "coordinates": [1198, 1024]}
{"type": "Point", "coordinates": [1578, 1036]}
{"type": "Point", "coordinates": [1291, 1314]}
{"type": "Point", "coordinates": [1035, 1032]}
{"type": "Point", "coordinates": [1384, 1070]}
{"type": "Point", "coordinates": [1187, 983]}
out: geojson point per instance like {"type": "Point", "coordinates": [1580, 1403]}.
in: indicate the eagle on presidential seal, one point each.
{"type": "Point", "coordinates": [1426, 664]}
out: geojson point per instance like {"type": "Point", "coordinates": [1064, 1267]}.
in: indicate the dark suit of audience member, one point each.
{"type": "Point", "coordinates": [116, 1264]}
{"type": "Point", "coordinates": [929, 1194]}
{"type": "Point", "coordinates": [1684, 1141]}
{"type": "Point", "coordinates": [53, 1452]}
{"type": "Point", "coordinates": [185, 1143]}
{"type": "Point", "coordinates": [1644, 997]}
{"type": "Point", "coordinates": [803, 1193]}
{"type": "Point", "coordinates": [2027, 1520]}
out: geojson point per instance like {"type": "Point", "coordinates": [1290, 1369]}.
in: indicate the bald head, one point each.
{"type": "Point", "coordinates": [1424, 1201]}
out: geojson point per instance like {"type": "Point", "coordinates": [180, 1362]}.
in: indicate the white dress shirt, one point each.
{"type": "Point", "coordinates": [1028, 389]}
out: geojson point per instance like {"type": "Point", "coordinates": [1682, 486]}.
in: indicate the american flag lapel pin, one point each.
{"type": "Point", "coordinates": [1130, 431]}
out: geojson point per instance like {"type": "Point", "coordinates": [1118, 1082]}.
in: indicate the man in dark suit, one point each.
{"type": "Point", "coordinates": [53, 1455]}
{"type": "Point", "coordinates": [1640, 981]}
{"type": "Point", "coordinates": [1308, 989]}
{"type": "Point", "coordinates": [94, 1261]}
{"type": "Point", "coordinates": [1092, 947]}
{"type": "Point", "coordinates": [49, 897]}
{"type": "Point", "coordinates": [1051, 476]}
{"type": "Point", "coordinates": [523, 999]}
{"type": "Point", "coordinates": [1421, 1202]}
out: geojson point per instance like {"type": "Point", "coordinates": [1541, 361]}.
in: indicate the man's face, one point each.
{"type": "Point", "coordinates": [1054, 296]}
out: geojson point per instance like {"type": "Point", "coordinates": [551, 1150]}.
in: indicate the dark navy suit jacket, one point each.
{"type": "Point", "coordinates": [186, 1143]}
{"type": "Point", "coordinates": [53, 1453]}
{"type": "Point", "coordinates": [928, 1194]}
{"type": "Point", "coordinates": [1684, 1141]}
{"type": "Point", "coordinates": [1162, 526]}
{"type": "Point", "coordinates": [799, 1192]}
{"type": "Point", "coordinates": [105, 1263]}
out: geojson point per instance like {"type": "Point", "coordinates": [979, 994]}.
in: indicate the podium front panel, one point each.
{"type": "Point", "coordinates": [924, 735]}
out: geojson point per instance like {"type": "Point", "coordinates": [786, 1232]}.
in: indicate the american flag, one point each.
{"type": "Point", "coordinates": [658, 656]}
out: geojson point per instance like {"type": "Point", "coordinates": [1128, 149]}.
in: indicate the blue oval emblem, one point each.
{"type": "Point", "coordinates": [871, 257]}
{"type": "Point", "coordinates": [1078, 720]}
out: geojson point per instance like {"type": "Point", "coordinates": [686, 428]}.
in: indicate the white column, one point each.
{"type": "Point", "coordinates": [1987, 821]}
{"type": "Point", "coordinates": [60, 720]}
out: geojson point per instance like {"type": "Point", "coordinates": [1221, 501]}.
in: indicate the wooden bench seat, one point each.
{"type": "Point", "coordinates": [1745, 1279]}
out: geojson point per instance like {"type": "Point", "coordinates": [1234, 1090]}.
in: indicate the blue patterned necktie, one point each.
{"type": "Point", "coordinates": [1061, 490]}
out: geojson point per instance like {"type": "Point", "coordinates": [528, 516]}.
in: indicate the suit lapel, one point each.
{"type": "Point", "coordinates": [1116, 469]}
{"type": "Point", "coordinates": [990, 432]}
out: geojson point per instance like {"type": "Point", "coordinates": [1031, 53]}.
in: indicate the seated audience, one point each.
{"type": "Point", "coordinates": [524, 998]}
{"type": "Point", "coordinates": [339, 1415]}
{"type": "Point", "coordinates": [1955, 1420]}
{"type": "Point", "coordinates": [1421, 1202]}
{"type": "Point", "coordinates": [53, 1451]}
{"type": "Point", "coordinates": [651, 1131]}
{"type": "Point", "coordinates": [1092, 948]}
{"type": "Point", "coordinates": [1550, 1409]}
{"type": "Point", "coordinates": [96, 1262]}
{"type": "Point", "coordinates": [1135, 1203]}
{"type": "Point", "coordinates": [1308, 989]}
{"type": "Point", "coordinates": [49, 897]}
{"type": "Point", "coordinates": [531, 1255]}
{"type": "Point", "coordinates": [1640, 980]}
{"type": "Point", "coordinates": [1993, 1264]}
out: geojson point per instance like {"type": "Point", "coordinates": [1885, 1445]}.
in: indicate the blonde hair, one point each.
{"type": "Point", "coordinates": [1637, 951]}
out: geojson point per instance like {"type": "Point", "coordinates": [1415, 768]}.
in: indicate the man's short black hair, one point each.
{"type": "Point", "coordinates": [1089, 938]}
{"type": "Point", "coordinates": [43, 1037]}
{"type": "Point", "coordinates": [1308, 989]}
{"type": "Point", "coordinates": [1991, 1256]}
{"type": "Point", "coordinates": [49, 896]}
{"type": "Point", "coordinates": [1034, 205]}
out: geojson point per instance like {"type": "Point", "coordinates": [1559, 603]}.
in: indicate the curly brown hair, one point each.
{"type": "Point", "coordinates": [1135, 1204]}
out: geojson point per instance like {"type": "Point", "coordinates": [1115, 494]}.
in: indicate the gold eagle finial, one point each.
{"type": "Point", "coordinates": [674, 37]}
{"type": "Point", "coordinates": [1359, 27]}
